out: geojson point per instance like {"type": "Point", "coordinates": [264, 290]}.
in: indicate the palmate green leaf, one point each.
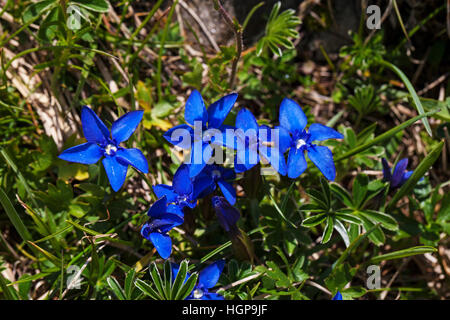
{"type": "Point", "coordinates": [411, 91]}
{"type": "Point", "coordinates": [377, 236]}
{"type": "Point", "coordinates": [35, 9]}
{"type": "Point", "coordinates": [387, 221]}
{"type": "Point", "coordinates": [383, 136]}
{"type": "Point", "coordinates": [116, 288]}
{"type": "Point", "coordinates": [353, 245]}
{"type": "Point", "coordinates": [340, 228]}
{"type": "Point", "coordinates": [339, 277]}
{"type": "Point", "coordinates": [147, 289]}
{"type": "Point", "coordinates": [418, 173]}
{"type": "Point", "coordinates": [179, 280]}
{"type": "Point", "coordinates": [93, 5]}
{"type": "Point", "coordinates": [359, 190]}
{"type": "Point", "coordinates": [157, 280]}
{"type": "Point", "coordinates": [314, 220]}
{"type": "Point", "coordinates": [167, 283]}
{"type": "Point", "coordinates": [129, 280]}
{"type": "Point", "coordinates": [347, 215]}
{"type": "Point", "coordinates": [403, 253]}
{"type": "Point", "coordinates": [328, 231]}
{"type": "Point", "coordinates": [188, 286]}
{"type": "Point", "coordinates": [342, 194]}
{"type": "Point", "coordinates": [280, 28]}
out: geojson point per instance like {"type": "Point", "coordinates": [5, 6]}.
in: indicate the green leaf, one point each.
{"type": "Point", "coordinates": [385, 219]}
{"type": "Point", "coordinates": [147, 289]}
{"type": "Point", "coordinates": [359, 190]}
{"type": "Point", "coordinates": [403, 253]}
{"type": "Point", "coordinates": [411, 91]}
{"type": "Point", "coordinates": [342, 194]}
{"type": "Point", "coordinates": [328, 231]}
{"type": "Point", "coordinates": [314, 220]}
{"type": "Point", "coordinates": [36, 9]}
{"type": "Point", "coordinates": [14, 216]}
{"type": "Point", "coordinates": [116, 288]}
{"type": "Point", "coordinates": [377, 236]}
{"type": "Point", "coordinates": [129, 279]}
{"type": "Point", "coordinates": [156, 277]}
{"type": "Point", "coordinates": [382, 137]}
{"type": "Point", "coordinates": [188, 287]}
{"type": "Point", "coordinates": [418, 173]}
{"type": "Point", "coordinates": [93, 5]}
{"type": "Point", "coordinates": [340, 228]}
{"type": "Point", "coordinates": [179, 280]}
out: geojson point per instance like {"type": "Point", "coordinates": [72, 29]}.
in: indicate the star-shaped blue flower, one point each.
{"type": "Point", "coordinates": [400, 174]}
{"type": "Point", "coordinates": [200, 142]}
{"type": "Point", "coordinates": [253, 142]}
{"type": "Point", "coordinates": [163, 218]}
{"type": "Point", "coordinates": [214, 176]}
{"type": "Point", "coordinates": [208, 278]}
{"type": "Point", "coordinates": [227, 214]}
{"type": "Point", "coordinates": [293, 135]}
{"type": "Point", "coordinates": [184, 192]}
{"type": "Point", "coordinates": [103, 144]}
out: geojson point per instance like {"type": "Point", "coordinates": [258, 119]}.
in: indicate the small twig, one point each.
{"type": "Point", "coordinates": [237, 30]}
{"type": "Point", "coordinates": [200, 24]}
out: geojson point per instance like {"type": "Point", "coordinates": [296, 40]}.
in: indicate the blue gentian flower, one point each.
{"type": "Point", "coordinates": [338, 296]}
{"type": "Point", "coordinates": [183, 192]}
{"type": "Point", "coordinates": [293, 135]}
{"type": "Point", "coordinates": [208, 278]}
{"type": "Point", "coordinates": [214, 176]}
{"type": "Point", "coordinates": [211, 118]}
{"type": "Point", "coordinates": [227, 214]}
{"type": "Point", "coordinates": [103, 144]}
{"type": "Point", "coordinates": [163, 218]}
{"type": "Point", "coordinates": [399, 176]}
{"type": "Point", "coordinates": [253, 141]}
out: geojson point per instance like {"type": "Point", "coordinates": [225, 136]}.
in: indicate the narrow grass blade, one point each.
{"type": "Point", "coordinates": [14, 216]}
{"type": "Point", "coordinates": [403, 253]}
{"type": "Point", "coordinates": [411, 91]}
{"type": "Point", "coordinates": [418, 173]}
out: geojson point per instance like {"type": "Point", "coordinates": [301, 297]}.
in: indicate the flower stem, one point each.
{"type": "Point", "coordinates": [237, 30]}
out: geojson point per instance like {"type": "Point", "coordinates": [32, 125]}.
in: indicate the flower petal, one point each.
{"type": "Point", "coordinates": [228, 191]}
{"type": "Point", "coordinates": [162, 243]}
{"type": "Point", "coordinates": [338, 296]}
{"type": "Point", "coordinates": [246, 159]}
{"type": "Point", "coordinates": [182, 184]}
{"type": "Point", "coordinates": [218, 111]}
{"type": "Point", "coordinates": [93, 128]}
{"type": "Point", "coordinates": [398, 172]}
{"type": "Point", "coordinates": [284, 139]}
{"type": "Point", "coordinates": [199, 160]}
{"type": "Point", "coordinates": [275, 158]}
{"type": "Point", "coordinates": [162, 190]}
{"type": "Point", "coordinates": [210, 275]}
{"type": "Point", "coordinates": [292, 117]}
{"type": "Point", "coordinates": [296, 164]}
{"type": "Point", "coordinates": [322, 157]}
{"type": "Point", "coordinates": [158, 209]}
{"type": "Point", "coordinates": [387, 175]}
{"type": "Point", "coordinates": [195, 109]}
{"type": "Point", "coordinates": [124, 127]}
{"type": "Point", "coordinates": [86, 153]}
{"type": "Point", "coordinates": [133, 157]}
{"type": "Point", "coordinates": [245, 120]}
{"type": "Point", "coordinates": [116, 172]}
{"type": "Point", "coordinates": [319, 132]}
{"type": "Point", "coordinates": [180, 136]}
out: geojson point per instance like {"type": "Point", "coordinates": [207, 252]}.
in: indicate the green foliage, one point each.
{"type": "Point", "coordinates": [280, 28]}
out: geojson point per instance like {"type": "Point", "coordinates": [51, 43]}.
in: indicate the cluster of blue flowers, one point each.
{"type": "Point", "coordinates": [195, 180]}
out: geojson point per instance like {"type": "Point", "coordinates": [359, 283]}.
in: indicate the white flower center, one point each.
{"type": "Point", "coordinates": [198, 293]}
{"type": "Point", "coordinates": [300, 143]}
{"type": "Point", "coordinates": [110, 149]}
